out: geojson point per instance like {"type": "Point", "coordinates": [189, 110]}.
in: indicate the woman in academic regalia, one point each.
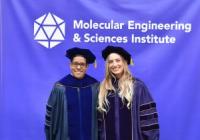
{"type": "Point", "coordinates": [126, 108]}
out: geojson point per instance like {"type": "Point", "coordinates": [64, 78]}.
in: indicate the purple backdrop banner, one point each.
{"type": "Point", "coordinates": [162, 36]}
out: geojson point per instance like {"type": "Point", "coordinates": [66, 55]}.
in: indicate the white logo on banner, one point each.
{"type": "Point", "coordinates": [49, 30]}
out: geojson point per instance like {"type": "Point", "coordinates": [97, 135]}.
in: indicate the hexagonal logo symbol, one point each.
{"type": "Point", "coordinates": [49, 30]}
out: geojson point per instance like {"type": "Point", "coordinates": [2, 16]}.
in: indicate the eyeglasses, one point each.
{"type": "Point", "coordinates": [76, 64]}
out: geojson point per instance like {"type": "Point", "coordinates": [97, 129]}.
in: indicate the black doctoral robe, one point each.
{"type": "Point", "coordinates": [71, 109]}
{"type": "Point", "coordinates": [140, 122]}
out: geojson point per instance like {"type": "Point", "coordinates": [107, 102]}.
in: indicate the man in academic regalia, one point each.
{"type": "Point", "coordinates": [71, 107]}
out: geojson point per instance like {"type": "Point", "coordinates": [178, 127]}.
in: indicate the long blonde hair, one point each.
{"type": "Point", "coordinates": [125, 85]}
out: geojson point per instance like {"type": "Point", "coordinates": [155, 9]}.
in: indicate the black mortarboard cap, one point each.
{"type": "Point", "coordinates": [87, 54]}
{"type": "Point", "coordinates": [119, 50]}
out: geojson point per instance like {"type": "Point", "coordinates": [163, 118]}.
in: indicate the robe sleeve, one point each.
{"type": "Point", "coordinates": [100, 119]}
{"type": "Point", "coordinates": [50, 117]}
{"type": "Point", "coordinates": [148, 116]}
{"type": "Point", "coordinates": [100, 123]}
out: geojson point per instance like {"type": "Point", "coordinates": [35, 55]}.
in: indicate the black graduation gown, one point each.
{"type": "Point", "coordinates": [138, 123]}
{"type": "Point", "coordinates": [71, 109]}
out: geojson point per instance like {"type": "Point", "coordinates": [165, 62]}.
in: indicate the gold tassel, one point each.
{"type": "Point", "coordinates": [95, 64]}
{"type": "Point", "coordinates": [131, 63]}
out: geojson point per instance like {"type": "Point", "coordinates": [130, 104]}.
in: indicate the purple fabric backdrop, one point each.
{"type": "Point", "coordinates": [29, 70]}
